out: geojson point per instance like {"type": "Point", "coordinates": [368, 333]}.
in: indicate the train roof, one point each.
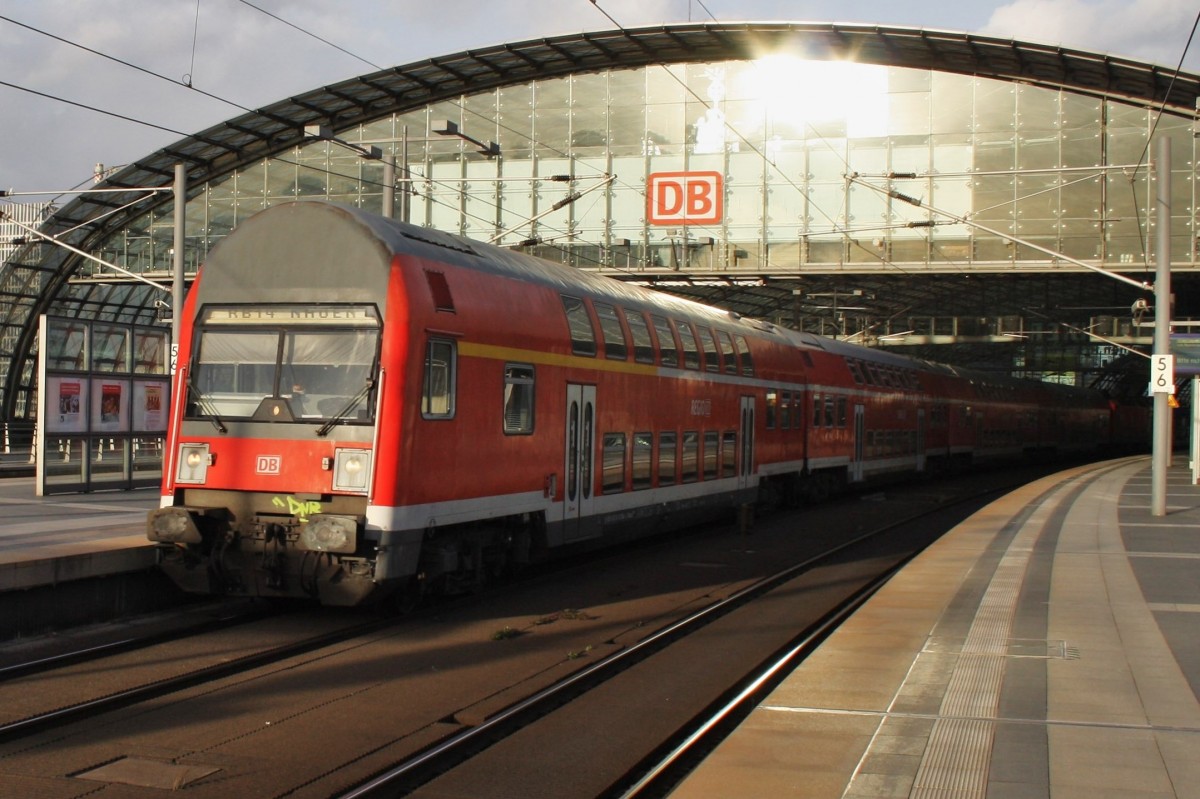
{"type": "Point", "coordinates": [317, 229]}
{"type": "Point", "coordinates": [312, 220]}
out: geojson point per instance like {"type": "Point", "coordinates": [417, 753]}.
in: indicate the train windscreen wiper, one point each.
{"type": "Point", "coordinates": [340, 416]}
{"type": "Point", "coordinates": [205, 406]}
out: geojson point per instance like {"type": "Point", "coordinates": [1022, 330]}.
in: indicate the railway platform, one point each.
{"type": "Point", "coordinates": [1049, 646]}
{"type": "Point", "coordinates": [45, 541]}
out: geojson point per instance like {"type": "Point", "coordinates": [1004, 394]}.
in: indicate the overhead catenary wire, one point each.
{"type": "Point", "coordinates": [1150, 136]}
{"type": "Point", "coordinates": [185, 84]}
{"type": "Point", "coordinates": [766, 156]}
{"type": "Point", "coordinates": [294, 26]}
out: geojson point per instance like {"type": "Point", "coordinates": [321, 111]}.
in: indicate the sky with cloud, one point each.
{"type": "Point", "coordinates": [250, 53]}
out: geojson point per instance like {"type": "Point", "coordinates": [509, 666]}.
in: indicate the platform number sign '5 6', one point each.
{"type": "Point", "coordinates": [685, 198]}
{"type": "Point", "coordinates": [1162, 374]}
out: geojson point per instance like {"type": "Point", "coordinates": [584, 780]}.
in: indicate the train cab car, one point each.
{"type": "Point", "coordinates": [365, 408]}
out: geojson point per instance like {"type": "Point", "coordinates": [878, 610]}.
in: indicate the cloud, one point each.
{"type": "Point", "coordinates": [1146, 30]}
{"type": "Point", "coordinates": [245, 56]}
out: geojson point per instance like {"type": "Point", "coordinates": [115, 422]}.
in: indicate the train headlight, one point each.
{"type": "Point", "coordinates": [351, 470]}
{"type": "Point", "coordinates": [194, 460]}
{"type": "Point", "coordinates": [172, 526]}
{"type": "Point", "coordinates": [328, 533]}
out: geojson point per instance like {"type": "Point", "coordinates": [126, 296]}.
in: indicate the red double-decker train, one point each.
{"type": "Point", "coordinates": [363, 407]}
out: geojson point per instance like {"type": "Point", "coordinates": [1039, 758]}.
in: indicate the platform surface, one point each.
{"type": "Point", "coordinates": [1049, 646]}
{"type": "Point", "coordinates": [46, 540]}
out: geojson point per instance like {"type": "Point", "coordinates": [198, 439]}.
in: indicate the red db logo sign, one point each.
{"type": "Point", "coordinates": [267, 464]}
{"type": "Point", "coordinates": [685, 198]}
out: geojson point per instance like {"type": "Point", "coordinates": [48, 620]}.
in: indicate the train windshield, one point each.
{"type": "Point", "coordinates": [319, 363]}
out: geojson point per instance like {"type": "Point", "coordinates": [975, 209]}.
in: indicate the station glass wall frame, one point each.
{"type": "Point", "coordinates": [1053, 167]}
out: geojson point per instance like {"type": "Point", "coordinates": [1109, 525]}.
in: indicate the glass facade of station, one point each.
{"type": "Point", "coordinates": [1052, 167]}
{"type": "Point", "coordinates": [697, 177]}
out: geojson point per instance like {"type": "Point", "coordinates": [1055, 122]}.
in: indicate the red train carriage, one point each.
{"type": "Point", "coordinates": [364, 406]}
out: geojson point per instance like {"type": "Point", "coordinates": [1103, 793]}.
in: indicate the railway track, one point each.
{"type": "Point", "coordinates": [466, 692]}
{"type": "Point", "coordinates": [815, 595]}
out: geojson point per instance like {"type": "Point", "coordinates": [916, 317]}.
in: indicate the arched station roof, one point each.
{"type": "Point", "coordinates": [242, 140]}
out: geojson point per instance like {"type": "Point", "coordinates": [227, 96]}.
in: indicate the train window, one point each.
{"type": "Point", "coordinates": [643, 444]}
{"type": "Point", "coordinates": [613, 475]}
{"type": "Point", "coordinates": [518, 399]}
{"type": "Point", "coordinates": [666, 458]}
{"type": "Point", "coordinates": [727, 353]}
{"type": "Point", "coordinates": [829, 411]}
{"type": "Point", "coordinates": [321, 366]}
{"type": "Point", "coordinates": [712, 444]}
{"type": "Point", "coordinates": [712, 360]}
{"type": "Point", "coordinates": [856, 371]}
{"type": "Point", "coordinates": [772, 408]}
{"type": "Point", "coordinates": [817, 408]}
{"type": "Point", "coordinates": [743, 351]}
{"type": "Point", "coordinates": [691, 352]}
{"type": "Point", "coordinates": [729, 454]}
{"type": "Point", "coordinates": [615, 347]}
{"type": "Point", "coordinates": [841, 412]}
{"type": "Point", "coordinates": [583, 337]}
{"type": "Point", "coordinates": [690, 456]}
{"type": "Point", "coordinates": [439, 289]}
{"type": "Point", "coordinates": [233, 365]}
{"type": "Point", "coordinates": [668, 350]}
{"type": "Point", "coordinates": [437, 395]}
{"type": "Point", "coordinates": [643, 347]}
{"type": "Point", "coordinates": [785, 410]}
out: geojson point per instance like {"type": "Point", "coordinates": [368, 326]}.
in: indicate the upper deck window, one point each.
{"type": "Point", "coordinates": [643, 347]}
{"type": "Point", "coordinates": [614, 336]}
{"type": "Point", "coordinates": [743, 349]}
{"type": "Point", "coordinates": [583, 335]}
{"type": "Point", "coordinates": [668, 349]}
{"type": "Point", "coordinates": [727, 354]}
{"type": "Point", "coordinates": [691, 352]}
{"type": "Point", "coordinates": [712, 361]}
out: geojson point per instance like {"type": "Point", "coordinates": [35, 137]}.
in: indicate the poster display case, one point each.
{"type": "Point", "coordinates": [103, 405]}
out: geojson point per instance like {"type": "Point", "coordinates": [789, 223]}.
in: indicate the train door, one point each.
{"type": "Point", "coordinates": [920, 439]}
{"type": "Point", "coordinates": [580, 459]}
{"type": "Point", "coordinates": [856, 462]}
{"type": "Point", "coordinates": [747, 459]}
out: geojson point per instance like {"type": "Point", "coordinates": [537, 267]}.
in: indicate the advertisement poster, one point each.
{"type": "Point", "coordinates": [149, 406]}
{"type": "Point", "coordinates": [110, 406]}
{"type": "Point", "coordinates": [67, 410]}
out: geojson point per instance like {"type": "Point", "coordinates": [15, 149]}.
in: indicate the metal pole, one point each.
{"type": "Point", "coordinates": [406, 191]}
{"type": "Point", "coordinates": [1161, 450]}
{"type": "Point", "coordinates": [1195, 432]}
{"type": "Point", "coordinates": [177, 262]}
{"type": "Point", "coordinates": [389, 186]}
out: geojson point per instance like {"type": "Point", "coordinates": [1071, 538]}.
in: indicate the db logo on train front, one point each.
{"type": "Point", "coordinates": [268, 464]}
{"type": "Point", "coordinates": [685, 198]}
